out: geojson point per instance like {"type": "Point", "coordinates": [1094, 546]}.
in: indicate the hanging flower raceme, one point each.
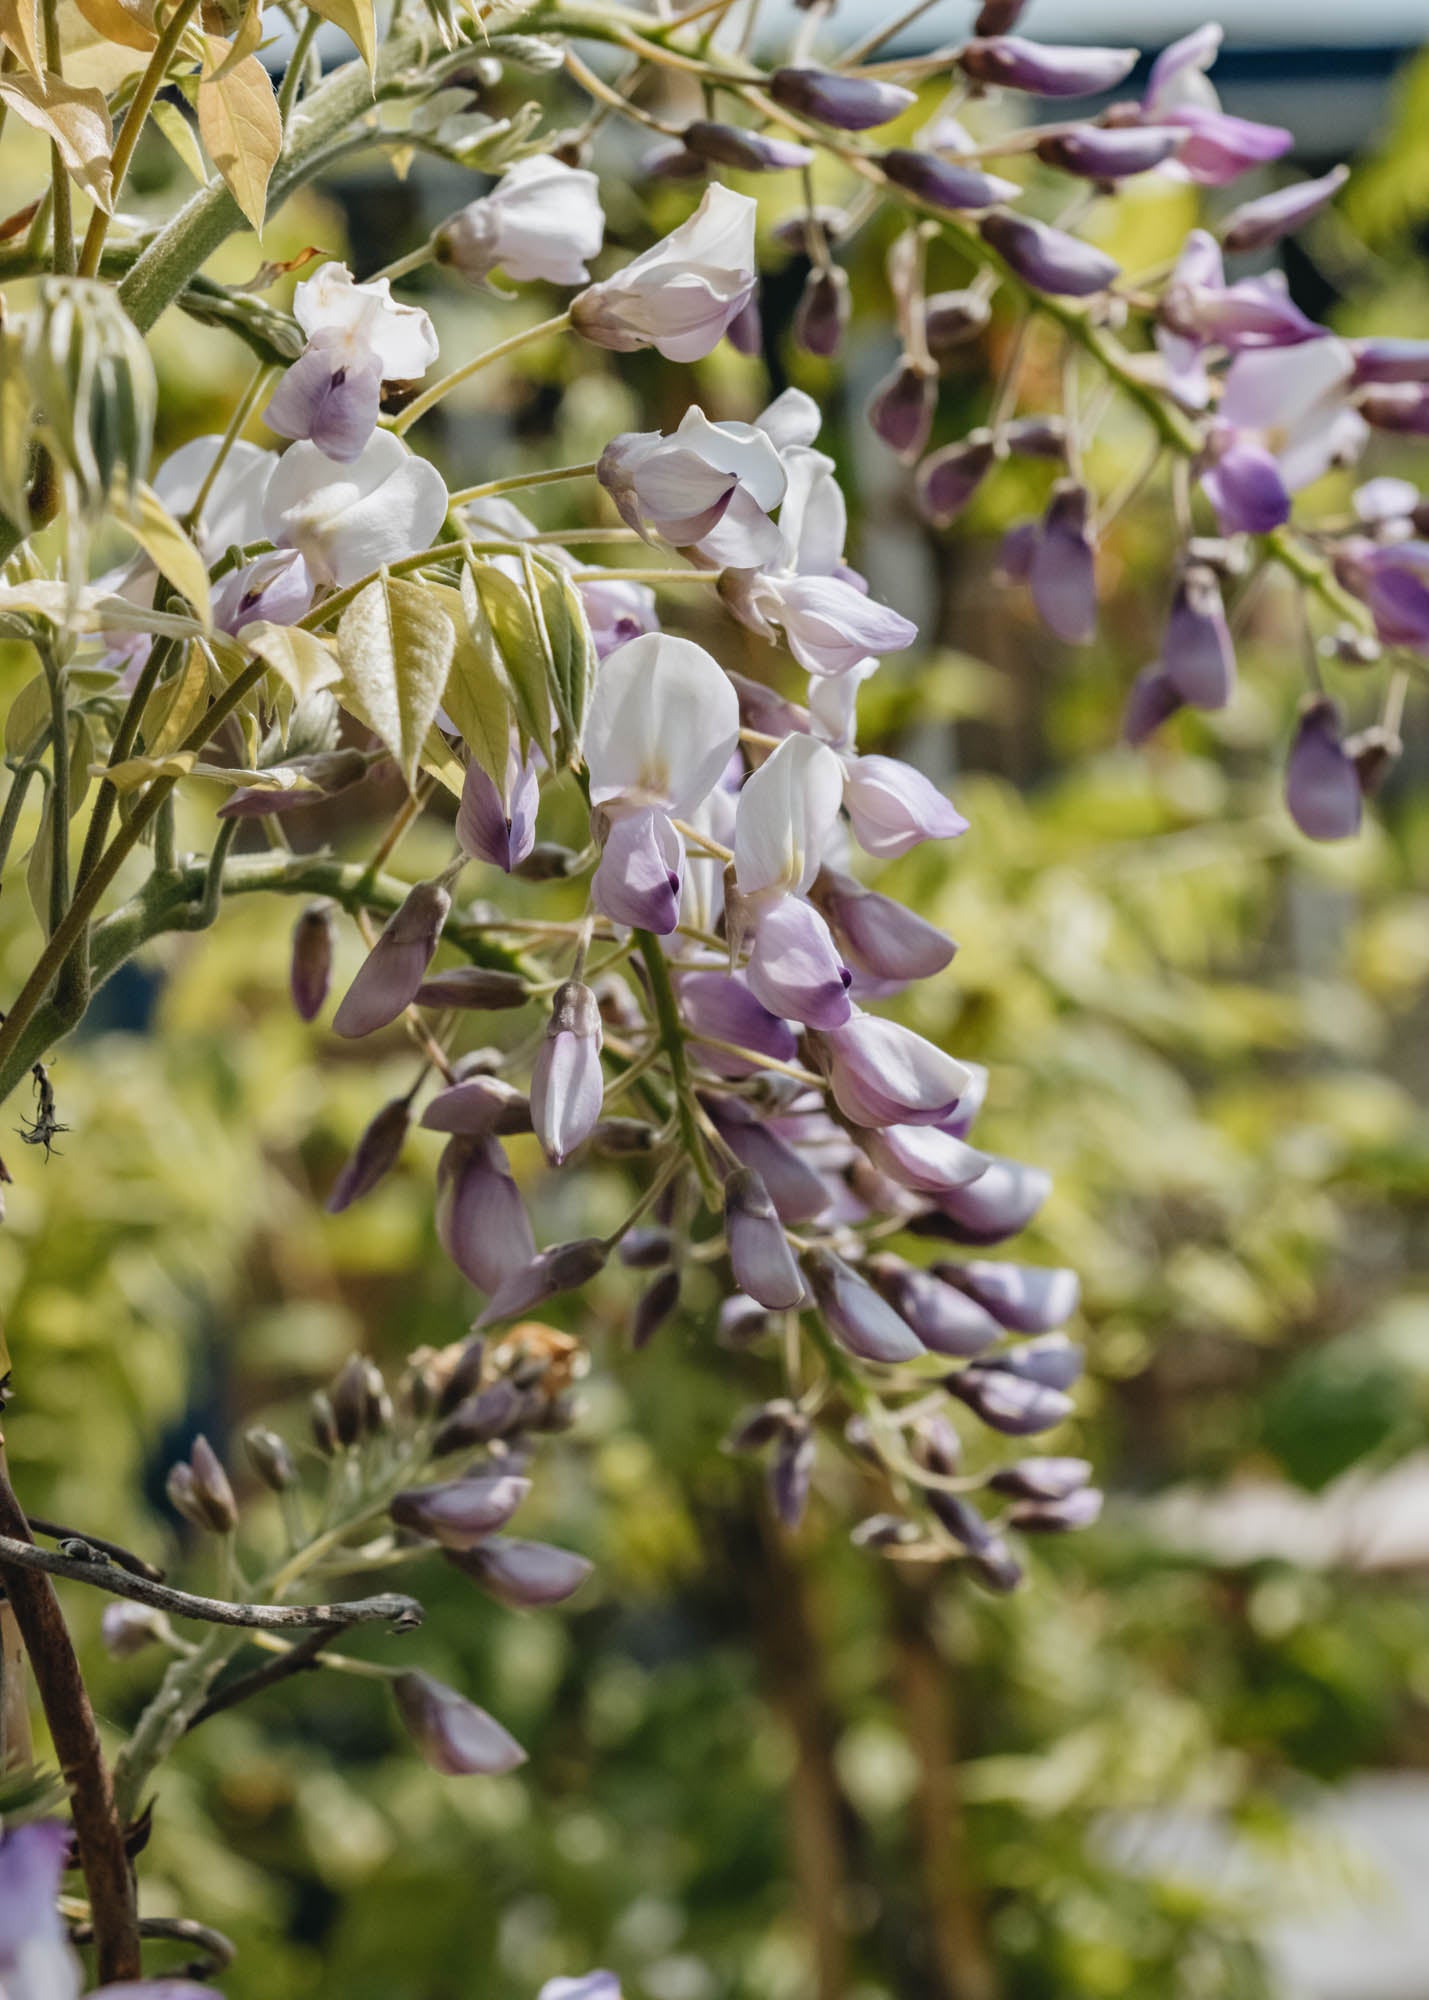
{"type": "Point", "coordinates": [359, 339]}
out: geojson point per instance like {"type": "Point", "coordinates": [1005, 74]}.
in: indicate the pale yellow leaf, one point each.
{"type": "Point", "coordinates": [358, 21]}
{"type": "Point", "coordinates": [77, 121]}
{"type": "Point", "coordinates": [298, 657]}
{"type": "Point", "coordinates": [249, 34]}
{"type": "Point", "coordinates": [170, 550]}
{"type": "Point", "coordinates": [242, 133]}
{"type": "Point", "coordinates": [177, 704]}
{"type": "Point", "coordinates": [128, 21]}
{"type": "Point", "coordinates": [136, 771]}
{"type": "Point", "coordinates": [20, 32]}
{"type": "Point", "coordinates": [395, 643]}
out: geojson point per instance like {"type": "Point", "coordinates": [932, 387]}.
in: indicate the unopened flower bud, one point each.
{"type": "Point", "coordinates": [126, 1629]}
{"type": "Point", "coordinates": [90, 372]}
{"type": "Point", "coordinates": [1151, 701]}
{"type": "Point", "coordinates": [479, 1106]}
{"type": "Point", "coordinates": [547, 861]}
{"type": "Point", "coordinates": [462, 1512]}
{"type": "Point", "coordinates": [1259, 224]}
{"type": "Point", "coordinates": [759, 1252]}
{"type": "Point", "coordinates": [453, 1735]}
{"type": "Point", "coordinates": [1374, 752]}
{"type": "Point", "coordinates": [1007, 1403]}
{"type": "Point", "coordinates": [1058, 1517]}
{"type": "Point", "coordinates": [854, 1313]}
{"type": "Point", "coordinates": [995, 1567]}
{"type": "Point", "coordinates": [945, 183]}
{"type": "Point", "coordinates": [654, 1307]}
{"type": "Point", "coordinates": [349, 1400]}
{"type": "Point", "coordinates": [646, 1249]}
{"type": "Point", "coordinates": [1048, 258]}
{"type": "Point", "coordinates": [900, 410]}
{"type": "Point", "coordinates": [1042, 69]}
{"type": "Point", "coordinates": [848, 103]}
{"type": "Point", "coordinates": [1063, 576]}
{"type": "Point", "coordinates": [377, 1401]}
{"type": "Point", "coordinates": [562, 1268]}
{"type": "Point", "coordinates": [944, 1319]}
{"type": "Point", "coordinates": [1197, 653]}
{"type": "Point", "coordinates": [211, 1491]}
{"type": "Point", "coordinates": [523, 1575]}
{"type": "Point", "coordinates": [999, 17]}
{"type": "Point", "coordinates": [822, 311]}
{"type": "Point", "coordinates": [1025, 1298]}
{"type": "Point", "coordinates": [952, 319]}
{"type": "Point", "coordinates": [322, 1423]}
{"type": "Point", "coordinates": [623, 1138]}
{"type": "Point", "coordinates": [475, 987]}
{"type": "Point", "coordinates": [374, 1155]}
{"type": "Point", "coordinates": [1054, 1361]}
{"type": "Point", "coordinates": [948, 480]}
{"type": "Point", "coordinates": [749, 152]}
{"type": "Point", "coordinates": [310, 974]}
{"type": "Point", "coordinates": [791, 1471]}
{"type": "Point", "coordinates": [492, 1413]}
{"type": "Point", "coordinates": [567, 1086]}
{"type": "Point", "coordinates": [271, 1459]}
{"type": "Point", "coordinates": [761, 1426]}
{"type": "Point", "coordinates": [390, 975]}
{"type": "Point", "coordinates": [1096, 153]}
{"type": "Point", "coordinates": [1042, 1478]}
{"type": "Point", "coordinates": [1322, 787]}
{"type": "Point", "coordinates": [742, 1323]}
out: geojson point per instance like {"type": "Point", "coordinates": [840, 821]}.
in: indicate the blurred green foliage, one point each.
{"type": "Point", "coordinates": [745, 1755]}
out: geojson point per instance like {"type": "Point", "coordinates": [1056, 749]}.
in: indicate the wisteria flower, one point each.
{"type": "Point", "coordinates": [347, 520]}
{"type": "Point", "coordinates": [542, 220]}
{"type": "Point", "coordinates": [1283, 421]}
{"type": "Point", "coordinates": [1179, 92]}
{"type": "Point", "coordinates": [710, 487]}
{"type": "Point", "coordinates": [358, 338]}
{"type": "Point", "coordinates": [680, 296]}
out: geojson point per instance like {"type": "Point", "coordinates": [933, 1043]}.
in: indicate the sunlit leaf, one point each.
{"type": "Point", "coordinates": [242, 133]}
{"type": "Point", "coordinates": [78, 122]}
{"type": "Point", "coordinates": [357, 19]}
{"type": "Point", "coordinates": [395, 643]}
{"type": "Point", "coordinates": [181, 136]}
{"type": "Point", "coordinates": [476, 696]}
{"type": "Point", "coordinates": [170, 550]}
{"type": "Point", "coordinates": [130, 22]}
{"type": "Point", "coordinates": [299, 658]}
{"type": "Point", "coordinates": [20, 32]}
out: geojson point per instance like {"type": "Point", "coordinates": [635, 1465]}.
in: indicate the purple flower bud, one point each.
{"type": "Point", "coordinates": [669, 160]}
{"type": "Point", "coordinates": [948, 480]}
{"type": "Point", "coordinates": [1099, 153]}
{"type": "Point", "coordinates": [562, 1268]}
{"type": "Point", "coordinates": [1015, 552]}
{"type": "Point", "coordinates": [646, 1249]}
{"type": "Point", "coordinates": [1048, 258]}
{"type": "Point", "coordinates": [1256, 225]}
{"type": "Point", "coordinates": [1007, 1403]}
{"type": "Point", "coordinates": [795, 1188]}
{"type": "Point", "coordinates": [481, 1219]}
{"type": "Point", "coordinates": [1058, 1517]}
{"type": "Point", "coordinates": [822, 311]}
{"type": "Point", "coordinates": [1000, 1202]}
{"type": "Point", "coordinates": [924, 1158]}
{"type": "Point", "coordinates": [474, 987]}
{"type": "Point", "coordinates": [794, 968]}
{"type": "Point", "coordinates": [1151, 701]}
{"type": "Point", "coordinates": [945, 1320]}
{"type": "Point", "coordinates": [854, 1313]}
{"type": "Point", "coordinates": [1247, 490]}
{"type": "Point", "coordinates": [1391, 360]}
{"type": "Point", "coordinates": [999, 17]}
{"type": "Point", "coordinates": [1197, 654]}
{"type": "Point", "coordinates": [491, 828]}
{"type": "Point", "coordinates": [211, 1490]}
{"type": "Point", "coordinates": [892, 806]}
{"type": "Point", "coordinates": [1042, 1478]}
{"type": "Point", "coordinates": [995, 1567]}
{"type": "Point", "coordinates": [759, 1251]}
{"type": "Point", "coordinates": [883, 937]}
{"type": "Point", "coordinates": [462, 1512]}
{"type": "Point", "coordinates": [586, 1986]}
{"type": "Point", "coordinates": [1042, 437]}
{"type": "Point", "coordinates": [459, 1377]}
{"type": "Point", "coordinates": [960, 1517]}
{"type": "Point", "coordinates": [1375, 752]}
{"type": "Point", "coordinates": [749, 152]}
{"type": "Point", "coordinates": [762, 1425]}
{"type": "Point", "coordinates": [1322, 787]}
{"type": "Point", "coordinates": [1064, 584]}
{"type": "Point", "coordinates": [951, 319]}
{"type": "Point", "coordinates": [321, 1422]}
{"type": "Point", "coordinates": [638, 880]}
{"type": "Point", "coordinates": [1045, 71]}
{"type": "Point", "coordinates": [1401, 407]}
{"type": "Point", "coordinates": [722, 1006]}
{"type": "Point", "coordinates": [311, 971]}
{"type": "Point", "coordinates": [944, 183]}
{"type": "Point", "coordinates": [479, 1107]}
{"type": "Point", "coordinates": [881, 1073]}
{"type": "Point", "coordinates": [374, 1155]}
{"type": "Point", "coordinates": [388, 978]}
{"type": "Point", "coordinates": [900, 409]}
{"type": "Point", "coordinates": [522, 1575]}
{"type": "Point", "coordinates": [790, 1473]}
{"type": "Point", "coordinates": [653, 1308]}
{"type": "Point", "coordinates": [271, 1459]}
{"type": "Point", "coordinates": [848, 103]}
{"type": "Point", "coordinates": [1025, 1298]}
{"type": "Point", "coordinates": [741, 1323]}
{"type": "Point", "coordinates": [493, 1413]}
{"type": "Point", "coordinates": [1054, 1361]}
{"type": "Point", "coordinates": [126, 1629]}
{"type": "Point", "coordinates": [453, 1735]}
{"type": "Point", "coordinates": [567, 1087]}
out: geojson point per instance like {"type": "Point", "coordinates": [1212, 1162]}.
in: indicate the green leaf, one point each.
{"type": "Point", "coordinates": [395, 643]}
{"type": "Point", "coordinates": [357, 19]}
{"type": "Point", "coordinates": [297, 657]}
{"type": "Point", "coordinates": [180, 135]}
{"type": "Point", "coordinates": [504, 623]}
{"type": "Point", "coordinates": [28, 717]}
{"type": "Point", "coordinates": [476, 697]}
{"type": "Point", "coordinates": [177, 704]}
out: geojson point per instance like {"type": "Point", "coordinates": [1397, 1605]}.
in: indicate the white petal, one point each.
{"type": "Point", "coordinates": [786, 816]}
{"type": "Point", "coordinates": [663, 720]}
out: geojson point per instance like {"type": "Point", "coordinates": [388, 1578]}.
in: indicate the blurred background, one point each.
{"type": "Point", "coordinates": [1191, 1758]}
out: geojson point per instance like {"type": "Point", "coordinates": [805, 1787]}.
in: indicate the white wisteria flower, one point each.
{"type": "Point", "coordinates": [542, 220]}
{"type": "Point", "coordinates": [682, 294]}
{"type": "Point", "coordinates": [358, 338]}
{"type": "Point", "coordinates": [347, 520]}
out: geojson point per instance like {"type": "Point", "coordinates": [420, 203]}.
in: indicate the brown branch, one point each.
{"type": "Point", "coordinates": [116, 1551]}
{"type": "Point", "coordinates": [403, 1614]}
{"type": "Point", "coordinates": [299, 1659]}
{"type": "Point", "coordinates": [76, 1739]}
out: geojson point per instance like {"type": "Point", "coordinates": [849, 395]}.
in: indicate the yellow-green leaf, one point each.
{"type": "Point", "coordinates": [128, 21]}
{"type": "Point", "coordinates": [28, 717]}
{"type": "Point", "coordinates": [249, 34]}
{"type": "Point", "coordinates": [170, 550]}
{"type": "Point", "coordinates": [395, 642]}
{"type": "Point", "coordinates": [242, 133]}
{"type": "Point", "coordinates": [358, 21]}
{"type": "Point", "coordinates": [180, 135]}
{"type": "Point", "coordinates": [77, 121]}
{"type": "Point", "coordinates": [136, 771]}
{"type": "Point", "coordinates": [298, 657]}
{"type": "Point", "coordinates": [177, 704]}
{"type": "Point", "coordinates": [501, 615]}
{"type": "Point", "coordinates": [476, 698]}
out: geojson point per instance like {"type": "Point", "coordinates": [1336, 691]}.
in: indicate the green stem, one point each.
{"type": "Point", "coordinates": [430, 397]}
{"type": "Point", "coordinates": [672, 1035]}
{"type": "Point", "coordinates": [297, 64]}
{"type": "Point", "coordinates": [181, 1694]}
{"type": "Point", "coordinates": [63, 258]}
{"type": "Point", "coordinates": [150, 83]}
{"type": "Point", "coordinates": [519, 480]}
{"type": "Point", "coordinates": [59, 793]}
{"type": "Point", "coordinates": [20, 783]}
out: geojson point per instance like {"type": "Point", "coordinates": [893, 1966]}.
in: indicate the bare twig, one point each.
{"type": "Point", "coordinates": [403, 1614]}
{"type": "Point", "coordinates": [116, 1551]}
{"type": "Point", "coordinates": [218, 1950]}
{"type": "Point", "coordinates": [298, 1659]}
